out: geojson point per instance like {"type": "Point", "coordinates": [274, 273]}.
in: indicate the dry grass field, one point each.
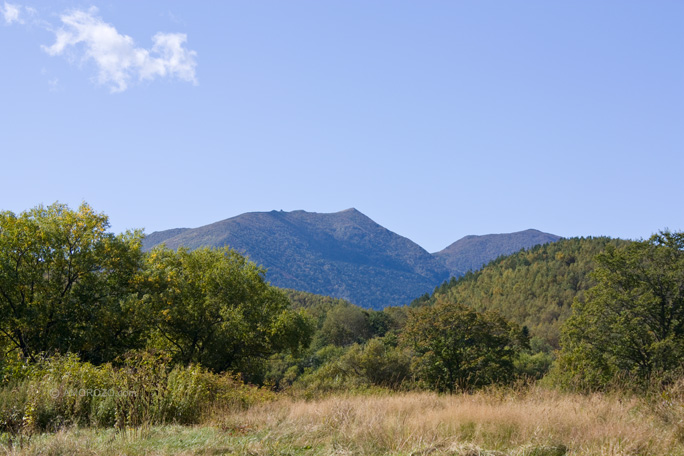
{"type": "Point", "coordinates": [531, 421]}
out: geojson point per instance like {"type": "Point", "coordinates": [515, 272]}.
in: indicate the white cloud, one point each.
{"type": "Point", "coordinates": [11, 13]}
{"type": "Point", "coordinates": [116, 56]}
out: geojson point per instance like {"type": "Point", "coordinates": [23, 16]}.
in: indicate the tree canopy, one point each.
{"type": "Point", "coordinates": [459, 348]}
{"type": "Point", "coordinates": [66, 284]}
{"type": "Point", "coordinates": [213, 307]}
{"type": "Point", "coordinates": [632, 322]}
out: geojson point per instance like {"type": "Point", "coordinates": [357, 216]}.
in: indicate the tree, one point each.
{"type": "Point", "coordinates": [458, 348]}
{"type": "Point", "coordinates": [214, 307]}
{"type": "Point", "coordinates": [632, 322]}
{"type": "Point", "coordinates": [377, 363]}
{"type": "Point", "coordinates": [346, 324]}
{"type": "Point", "coordinates": [66, 284]}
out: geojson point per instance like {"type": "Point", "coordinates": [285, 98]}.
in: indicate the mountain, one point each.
{"type": "Point", "coordinates": [159, 237]}
{"type": "Point", "coordinates": [344, 254]}
{"type": "Point", "coordinates": [472, 252]}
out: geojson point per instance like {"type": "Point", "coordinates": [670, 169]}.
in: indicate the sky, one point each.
{"type": "Point", "coordinates": [437, 119]}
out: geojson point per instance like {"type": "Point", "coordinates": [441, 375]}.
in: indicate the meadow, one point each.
{"type": "Point", "coordinates": [497, 421]}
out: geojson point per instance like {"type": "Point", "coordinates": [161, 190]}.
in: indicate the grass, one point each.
{"type": "Point", "coordinates": [529, 422]}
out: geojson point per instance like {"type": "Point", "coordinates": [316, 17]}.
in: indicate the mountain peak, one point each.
{"type": "Point", "coordinates": [472, 252]}
{"type": "Point", "coordinates": [354, 214]}
{"type": "Point", "coordinates": [342, 254]}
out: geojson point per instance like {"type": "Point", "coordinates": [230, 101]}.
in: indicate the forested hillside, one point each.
{"type": "Point", "coordinates": [534, 287]}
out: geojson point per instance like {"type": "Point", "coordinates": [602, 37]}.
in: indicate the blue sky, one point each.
{"type": "Point", "coordinates": [436, 119]}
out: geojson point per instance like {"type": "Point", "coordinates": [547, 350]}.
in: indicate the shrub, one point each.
{"type": "Point", "coordinates": [145, 390]}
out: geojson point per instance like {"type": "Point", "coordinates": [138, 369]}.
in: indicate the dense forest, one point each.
{"type": "Point", "coordinates": [83, 308]}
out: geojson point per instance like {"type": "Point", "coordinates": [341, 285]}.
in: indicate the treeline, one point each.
{"type": "Point", "coordinates": [68, 286]}
{"type": "Point", "coordinates": [581, 313]}
{"type": "Point", "coordinates": [446, 347]}
{"type": "Point", "coordinates": [611, 310]}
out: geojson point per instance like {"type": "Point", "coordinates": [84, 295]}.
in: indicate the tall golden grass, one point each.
{"type": "Point", "coordinates": [523, 422]}
{"type": "Point", "coordinates": [519, 422]}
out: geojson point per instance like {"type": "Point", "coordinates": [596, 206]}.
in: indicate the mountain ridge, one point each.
{"type": "Point", "coordinates": [342, 254]}
{"type": "Point", "coordinates": [481, 249]}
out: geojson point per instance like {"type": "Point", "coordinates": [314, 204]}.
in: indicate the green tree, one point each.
{"type": "Point", "coordinates": [346, 324]}
{"type": "Point", "coordinates": [214, 307]}
{"type": "Point", "coordinates": [458, 348]}
{"type": "Point", "coordinates": [67, 285]}
{"type": "Point", "coordinates": [632, 322]}
{"type": "Point", "coordinates": [377, 363]}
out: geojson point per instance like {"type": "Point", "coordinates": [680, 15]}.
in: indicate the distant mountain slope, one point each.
{"type": "Point", "coordinates": [344, 254]}
{"type": "Point", "coordinates": [159, 237]}
{"type": "Point", "coordinates": [472, 252]}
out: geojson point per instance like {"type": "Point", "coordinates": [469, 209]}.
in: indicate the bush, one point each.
{"type": "Point", "coordinates": [372, 365]}
{"type": "Point", "coordinates": [377, 364]}
{"type": "Point", "coordinates": [145, 390]}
